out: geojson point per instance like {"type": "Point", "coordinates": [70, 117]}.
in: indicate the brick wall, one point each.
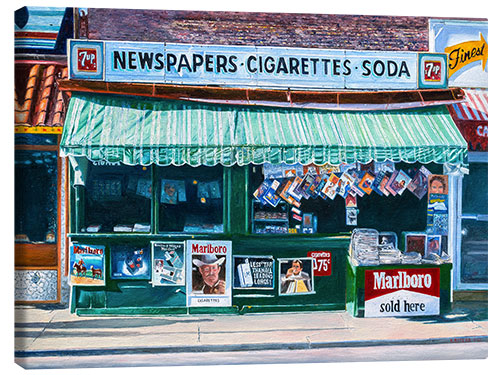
{"type": "Point", "coordinates": [271, 29]}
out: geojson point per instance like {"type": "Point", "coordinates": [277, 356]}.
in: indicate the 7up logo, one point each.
{"type": "Point", "coordinates": [87, 59]}
{"type": "Point", "coordinates": [432, 72]}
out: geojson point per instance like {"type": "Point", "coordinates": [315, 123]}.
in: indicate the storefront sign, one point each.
{"type": "Point", "coordinates": [130, 262]}
{"type": "Point", "coordinates": [87, 265]}
{"type": "Point", "coordinates": [402, 292]}
{"type": "Point", "coordinates": [251, 272]}
{"type": "Point", "coordinates": [168, 263]}
{"type": "Point", "coordinates": [466, 43]}
{"type": "Point", "coordinates": [322, 262]}
{"type": "Point", "coordinates": [254, 66]}
{"type": "Point", "coordinates": [208, 273]}
{"type": "Point", "coordinates": [296, 276]}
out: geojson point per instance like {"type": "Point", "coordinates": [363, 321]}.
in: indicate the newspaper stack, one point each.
{"type": "Point", "coordinates": [411, 258]}
{"type": "Point", "coordinates": [432, 258]}
{"type": "Point", "coordinates": [389, 255]}
{"type": "Point", "coordinates": [364, 244]}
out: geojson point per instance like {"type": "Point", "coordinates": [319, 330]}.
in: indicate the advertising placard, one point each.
{"type": "Point", "coordinates": [130, 262]}
{"type": "Point", "coordinates": [255, 66]}
{"type": "Point", "coordinates": [87, 265]}
{"type": "Point", "coordinates": [466, 43]}
{"type": "Point", "coordinates": [168, 263]}
{"type": "Point", "coordinates": [402, 292]}
{"type": "Point", "coordinates": [253, 272]}
{"type": "Point", "coordinates": [208, 273]}
{"type": "Point", "coordinates": [322, 262]}
{"type": "Point", "coordinates": [296, 276]}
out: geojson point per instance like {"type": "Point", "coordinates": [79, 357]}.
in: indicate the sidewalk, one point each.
{"type": "Point", "coordinates": [48, 331]}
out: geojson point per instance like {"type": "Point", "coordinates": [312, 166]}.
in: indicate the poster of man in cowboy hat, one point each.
{"type": "Point", "coordinates": [209, 282]}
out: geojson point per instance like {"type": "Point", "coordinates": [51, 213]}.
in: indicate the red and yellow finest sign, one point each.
{"type": "Point", "coordinates": [465, 53]}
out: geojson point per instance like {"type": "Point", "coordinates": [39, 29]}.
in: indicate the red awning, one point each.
{"type": "Point", "coordinates": [471, 118]}
{"type": "Point", "coordinates": [475, 107]}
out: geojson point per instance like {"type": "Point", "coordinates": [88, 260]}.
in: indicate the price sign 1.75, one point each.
{"type": "Point", "coordinates": [322, 262]}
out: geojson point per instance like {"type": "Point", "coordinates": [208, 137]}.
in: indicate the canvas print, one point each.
{"type": "Point", "coordinates": [206, 187]}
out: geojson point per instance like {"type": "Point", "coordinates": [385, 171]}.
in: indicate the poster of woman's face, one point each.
{"type": "Point", "coordinates": [438, 184]}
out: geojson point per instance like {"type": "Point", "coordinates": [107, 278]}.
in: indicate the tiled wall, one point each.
{"type": "Point", "coordinates": [35, 285]}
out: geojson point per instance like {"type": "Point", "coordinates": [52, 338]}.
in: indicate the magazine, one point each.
{"type": "Point", "coordinates": [290, 170]}
{"type": "Point", "coordinates": [366, 182]}
{"type": "Point", "coordinates": [172, 191]}
{"type": "Point", "coordinates": [385, 166]}
{"type": "Point", "coordinates": [330, 188]}
{"type": "Point", "coordinates": [144, 187]}
{"type": "Point", "coordinates": [283, 193]}
{"type": "Point", "coordinates": [344, 185]}
{"type": "Point", "coordinates": [376, 183]}
{"type": "Point", "coordinates": [306, 185]}
{"type": "Point", "coordinates": [351, 216]}
{"type": "Point", "coordinates": [270, 196]}
{"type": "Point", "coordinates": [401, 182]}
{"type": "Point", "coordinates": [310, 169]}
{"type": "Point", "coordinates": [294, 189]}
{"type": "Point", "coordinates": [261, 191]}
{"type": "Point", "coordinates": [369, 167]}
{"type": "Point", "coordinates": [313, 188]}
{"type": "Point", "coordinates": [433, 245]}
{"type": "Point", "coordinates": [383, 184]}
{"type": "Point", "coordinates": [273, 171]}
{"type": "Point", "coordinates": [418, 184]}
{"type": "Point", "coordinates": [389, 185]}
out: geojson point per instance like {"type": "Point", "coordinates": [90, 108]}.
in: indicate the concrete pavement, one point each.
{"type": "Point", "coordinates": [48, 331]}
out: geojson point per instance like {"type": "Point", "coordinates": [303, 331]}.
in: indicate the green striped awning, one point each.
{"type": "Point", "coordinates": [143, 131]}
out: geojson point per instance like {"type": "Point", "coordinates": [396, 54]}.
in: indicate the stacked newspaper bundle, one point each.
{"type": "Point", "coordinates": [411, 258]}
{"type": "Point", "coordinates": [364, 245]}
{"type": "Point", "coordinates": [389, 255]}
{"type": "Point", "coordinates": [432, 258]}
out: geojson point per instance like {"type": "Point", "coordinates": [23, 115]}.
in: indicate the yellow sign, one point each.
{"type": "Point", "coordinates": [465, 53]}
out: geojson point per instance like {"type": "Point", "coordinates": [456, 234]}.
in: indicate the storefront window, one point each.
{"type": "Point", "coordinates": [474, 262]}
{"type": "Point", "coordinates": [121, 199]}
{"type": "Point", "coordinates": [318, 210]}
{"type": "Point", "coordinates": [191, 199]}
{"type": "Point", "coordinates": [117, 199]}
{"type": "Point", "coordinates": [35, 196]}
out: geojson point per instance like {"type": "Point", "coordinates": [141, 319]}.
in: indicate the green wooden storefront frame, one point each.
{"type": "Point", "coordinates": [138, 297]}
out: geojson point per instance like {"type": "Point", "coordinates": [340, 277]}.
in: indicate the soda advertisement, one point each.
{"type": "Point", "coordinates": [209, 273]}
{"type": "Point", "coordinates": [402, 292]}
{"type": "Point", "coordinates": [87, 265]}
{"type": "Point", "coordinates": [168, 263]}
{"type": "Point", "coordinates": [130, 262]}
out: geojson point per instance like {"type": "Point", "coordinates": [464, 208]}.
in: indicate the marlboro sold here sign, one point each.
{"type": "Point", "coordinates": [402, 292]}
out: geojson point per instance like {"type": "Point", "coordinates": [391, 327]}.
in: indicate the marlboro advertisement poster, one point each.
{"type": "Point", "coordinates": [87, 265]}
{"type": "Point", "coordinates": [168, 264]}
{"type": "Point", "coordinates": [209, 273]}
{"type": "Point", "coordinates": [402, 292]}
{"type": "Point", "coordinates": [253, 272]}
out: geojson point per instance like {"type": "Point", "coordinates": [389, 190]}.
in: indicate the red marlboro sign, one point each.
{"type": "Point", "coordinates": [402, 292]}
